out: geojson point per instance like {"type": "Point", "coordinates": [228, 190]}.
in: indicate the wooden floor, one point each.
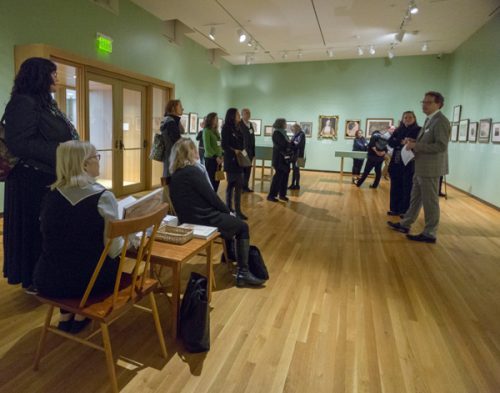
{"type": "Point", "coordinates": [351, 306]}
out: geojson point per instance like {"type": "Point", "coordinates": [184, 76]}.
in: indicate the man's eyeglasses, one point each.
{"type": "Point", "coordinates": [427, 102]}
{"type": "Point", "coordinates": [97, 156]}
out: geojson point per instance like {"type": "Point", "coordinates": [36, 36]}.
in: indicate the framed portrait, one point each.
{"type": "Point", "coordinates": [193, 123]}
{"type": "Point", "coordinates": [473, 131]}
{"type": "Point", "coordinates": [495, 132]}
{"type": "Point", "coordinates": [351, 127]}
{"type": "Point", "coordinates": [289, 125]}
{"type": "Point", "coordinates": [381, 125]}
{"type": "Point", "coordinates": [307, 127]}
{"type": "Point", "coordinates": [457, 109]}
{"type": "Point", "coordinates": [185, 123]}
{"type": "Point", "coordinates": [268, 130]}
{"type": "Point", "coordinates": [463, 129]}
{"type": "Point", "coordinates": [328, 126]}
{"type": "Point", "coordinates": [201, 123]}
{"type": "Point", "coordinates": [454, 132]}
{"type": "Point", "coordinates": [257, 125]}
{"type": "Point", "coordinates": [484, 130]}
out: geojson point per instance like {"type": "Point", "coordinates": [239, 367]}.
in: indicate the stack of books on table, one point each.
{"type": "Point", "coordinates": [200, 231]}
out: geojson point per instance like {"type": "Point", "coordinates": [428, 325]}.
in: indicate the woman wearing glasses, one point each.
{"type": "Point", "coordinates": [73, 222]}
{"type": "Point", "coordinates": [34, 127]}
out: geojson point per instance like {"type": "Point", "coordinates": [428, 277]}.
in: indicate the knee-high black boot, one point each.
{"type": "Point", "coordinates": [231, 251]}
{"type": "Point", "coordinates": [244, 276]}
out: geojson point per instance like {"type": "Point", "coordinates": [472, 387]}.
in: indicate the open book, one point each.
{"type": "Point", "coordinates": [131, 207]}
{"type": "Point", "coordinates": [200, 231]}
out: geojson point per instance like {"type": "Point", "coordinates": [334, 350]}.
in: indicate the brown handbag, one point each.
{"type": "Point", "coordinates": [219, 174]}
{"type": "Point", "coordinates": [243, 160]}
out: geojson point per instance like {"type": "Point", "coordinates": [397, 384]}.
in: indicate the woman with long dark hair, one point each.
{"type": "Point", "coordinates": [171, 130]}
{"type": "Point", "coordinates": [232, 144]}
{"type": "Point", "coordinates": [213, 151]}
{"type": "Point", "coordinates": [34, 127]}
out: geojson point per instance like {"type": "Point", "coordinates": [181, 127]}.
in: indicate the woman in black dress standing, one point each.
{"type": "Point", "coordinates": [282, 156]}
{"type": "Point", "coordinates": [34, 127]}
{"type": "Point", "coordinates": [359, 144]}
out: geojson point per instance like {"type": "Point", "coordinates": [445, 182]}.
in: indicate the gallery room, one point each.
{"type": "Point", "coordinates": [361, 296]}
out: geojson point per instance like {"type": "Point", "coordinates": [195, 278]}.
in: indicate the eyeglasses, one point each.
{"type": "Point", "coordinates": [427, 102]}
{"type": "Point", "coordinates": [97, 156]}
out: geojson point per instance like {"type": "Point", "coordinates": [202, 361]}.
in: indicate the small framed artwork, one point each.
{"type": "Point", "coordinates": [201, 123]}
{"type": "Point", "coordinates": [220, 123]}
{"type": "Point", "coordinates": [268, 130]}
{"type": "Point", "coordinates": [257, 126]}
{"type": "Point", "coordinates": [289, 125]}
{"type": "Point", "coordinates": [193, 123]}
{"type": "Point", "coordinates": [484, 130]}
{"type": "Point", "coordinates": [351, 127]}
{"type": "Point", "coordinates": [307, 127]}
{"type": "Point", "coordinates": [381, 125]}
{"type": "Point", "coordinates": [185, 124]}
{"type": "Point", "coordinates": [328, 126]}
{"type": "Point", "coordinates": [463, 129]}
{"type": "Point", "coordinates": [454, 132]}
{"type": "Point", "coordinates": [495, 132]}
{"type": "Point", "coordinates": [457, 110]}
{"type": "Point", "coordinates": [473, 131]}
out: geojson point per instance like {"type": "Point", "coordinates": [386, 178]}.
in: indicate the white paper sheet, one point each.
{"type": "Point", "coordinates": [407, 155]}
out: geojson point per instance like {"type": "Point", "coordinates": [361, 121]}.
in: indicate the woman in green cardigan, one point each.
{"type": "Point", "coordinates": [213, 150]}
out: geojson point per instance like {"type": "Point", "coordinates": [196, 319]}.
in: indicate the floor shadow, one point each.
{"type": "Point", "coordinates": [311, 212]}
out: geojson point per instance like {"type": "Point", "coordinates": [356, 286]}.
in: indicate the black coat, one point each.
{"type": "Point", "coordinates": [281, 148]}
{"type": "Point", "coordinates": [360, 144]}
{"type": "Point", "coordinates": [231, 139]}
{"type": "Point", "coordinates": [248, 138]}
{"type": "Point", "coordinates": [396, 165]}
{"type": "Point", "coordinates": [33, 132]}
{"type": "Point", "coordinates": [380, 144]}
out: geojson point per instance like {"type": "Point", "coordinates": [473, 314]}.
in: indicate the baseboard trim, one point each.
{"type": "Point", "coordinates": [489, 204]}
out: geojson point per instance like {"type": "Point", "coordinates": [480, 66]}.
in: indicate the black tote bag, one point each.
{"type": "Point", "coordinates": [195, 315]}
{"type": "Point", "coordinates": [256, 264]}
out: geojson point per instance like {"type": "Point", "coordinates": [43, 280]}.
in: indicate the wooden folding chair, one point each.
{"type": "Point", "coordinates": [128, 290]}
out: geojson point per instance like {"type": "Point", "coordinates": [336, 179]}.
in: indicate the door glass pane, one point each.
{"type": "Point", "coordinates": [159, 103]}
{"type": "Point", "coordinates": [66, 94]}
{"type": "Point", "coordinates": [101, 127]}
{"type": "Point", "coordinates": [132, 136]}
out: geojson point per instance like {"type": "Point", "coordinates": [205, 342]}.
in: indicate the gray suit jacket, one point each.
{"type": "Point", "coordinates": [431, 149]}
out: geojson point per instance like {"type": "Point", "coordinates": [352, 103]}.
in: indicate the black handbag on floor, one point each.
{"type": "Point", "coordinates": [195, 315]}
{"type": "Point", "coordinates": [256, 264]}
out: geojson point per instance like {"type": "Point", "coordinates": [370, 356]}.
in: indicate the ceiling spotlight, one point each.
{"type": "Point", "coordinates": [413, 8]}
{"type": "Point", "coordinates": [425, 47]}
{"type": "Point", "coordinates": [250, 42]}
{"type": "Point", "coordinates": [211, 34]}
{"type": "Point", "coordinates": [360, 51]}
{"type": "Point", "coordinates": [400, 35]}
{"type": "Point", "coordinates": [372, 50]}
{"type": "Point", "coordinates": [284, 56]}
{"type": "Point", "coordinates": [390, 54]}
{"type": "Point", "coordinates": [329, 52]}
{"type": "Point", "coordinates": [242, 36]}
{"type": "Point", "coordinates": [299, 54]}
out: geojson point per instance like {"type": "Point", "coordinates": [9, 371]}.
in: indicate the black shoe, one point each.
{"type": "Point", "coordinates": [241, 216]}
{"type": "Point", "coordinates": [297, 187]}
{"type": "Point", "coordinates": [247, 278]}
{"type": "Point", "coordinates": [401, 216]}
{"type": "Point", "coordinates": [372, 186]}
{"type": "Point", "coordinates": [65, 326]}
{"type": "Point", "coordinates": [291, 187]}
{"type": "Point", "coordinates": [31, 290]}
{"type": "Point", "coordinates": [421, 238]}
{"type": "Point", "coordinates": [246, 189]}
{"type": "Point", "coordinates": [284, 198]}
{"type": "Point", "coordinates": [272, 199]}
{"type": "Point", "coordinates": [442, 194]}
{"type": "Point", "coordinates": [78, 326]}
{"type": "Point", "coordinates": [398, 227]}
{"type": "Point", "coordinates": [391, 213]}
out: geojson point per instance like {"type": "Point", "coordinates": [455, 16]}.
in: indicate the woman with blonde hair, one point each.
{"type": "Point", "coordinates": [73, 224]}
{"type": "Point", "coordinates": [196, 202]}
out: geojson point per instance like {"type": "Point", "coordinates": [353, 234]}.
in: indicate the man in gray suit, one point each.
{"type": "Point", "coordinates": [431, 162]}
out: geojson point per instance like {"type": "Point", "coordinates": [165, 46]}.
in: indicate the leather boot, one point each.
{"type": "Point", "coordinates": [237, 205]}
{"type": "Point", "coordinates": [244, 276]}
{"type": "Point", "coordinates": [231, 253]}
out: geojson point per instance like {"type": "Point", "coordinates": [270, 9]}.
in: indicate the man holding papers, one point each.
{"type": "Point", "coordinates": [431, 162]}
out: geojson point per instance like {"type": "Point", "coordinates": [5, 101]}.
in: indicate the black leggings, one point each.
{"type": "Point", "coordinates": [370, 164]}
{"type": "Point", "coordinates": [234, 182]}
{"type": "Point", "coordinates": [212, 166]}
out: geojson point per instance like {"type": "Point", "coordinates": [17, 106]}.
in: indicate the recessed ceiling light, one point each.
{"type": "Point", "coordinates": [413, 8]}
{"type": "Point", "coordinates": [211, 34]}
{"type": "Point", "coordinates": [372, 50]}
{"type": "Point", "coordinates": [425, 47]}
{"type": "Point", "coordinates": [242, 36]}
{"type": "Point", "coordinates": [329, 52]}
{"type": "Point", "coordinates": [360, 51]}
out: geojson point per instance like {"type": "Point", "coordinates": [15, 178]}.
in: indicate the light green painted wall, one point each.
{"type": "Point", "coordinates": [475, 84]}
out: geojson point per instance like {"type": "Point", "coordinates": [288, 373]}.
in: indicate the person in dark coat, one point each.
{"type": "Point", "coordinates": [401, 174]}
{"type": "Point", "coordinates": [359, 144]}
{"type": "Point", "coordinates": [233, 143]}
{"type": "Point", "coordinates": [201, 144]}
{"type": "Point", "coordinates": [34, 127]}
{"type": "Point", "coordinates": [377, 148]}
{"type": "Point", "coordinates": [196, 202]}
{"type": "Point", "coordinates": [282, 156]}
{"type": "Point", "coordinates": [248, 131]}
{"type": "Point", "coordinates": [299, 147]}
{"type": "Point", "coordinates": [171, 130]}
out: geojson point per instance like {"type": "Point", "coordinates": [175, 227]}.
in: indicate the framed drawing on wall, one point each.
{"type": "Point", "coordinates": [351, 127]}
{"type": "Point", "coordinates": [185, 123]}
{"type": "Point", "coordinates": [268, 130]}
{"type": "Point", "coordinates": [473, 131]}
{"type": "Point", "coordinates": [257, 125]}
{"type": "Point", "coordinates": [495, 133]}
{"type": "Point", "coordinates": [381, 125]}
{"type": "Point", "coordinates": [484, 130]}
{"type": "Point", "coordinates": [457, 109]}
{"type": "Point", "coordinates": [220, 123]}
{"type": "Point", "coordinates": [463, 129]}
{"type": "Point", "coordinates": [307, 127]}
{"type": "Point", "coordinates": [193, 123]}
{"type": "Point", "coordinates": [454, 132]}
{"type": "Point", "coordinates": [328, 126]}
{"type": "Point", "coordinates": [201, 123]}
{"type": "Point", "coordinates": [289, 125]}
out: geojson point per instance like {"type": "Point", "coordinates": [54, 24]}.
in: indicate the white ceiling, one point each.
{"type": "Point", "coordinates": [342, 25]}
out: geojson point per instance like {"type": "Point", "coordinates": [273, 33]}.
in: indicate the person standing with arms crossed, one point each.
{"type": "Point", "coordinates": [431, 162]}
{"type": "Point", "coordinates": [247, 129]}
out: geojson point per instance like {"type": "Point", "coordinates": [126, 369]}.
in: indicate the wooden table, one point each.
{"type": "Point", "coordinates": [359, 155]}
{"type": "Point", "coordinates": [262, 153]}
{"type": "Point", "coordinates": [173, 256]}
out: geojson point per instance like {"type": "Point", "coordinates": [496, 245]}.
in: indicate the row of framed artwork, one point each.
{"type": "Point", "coordinates": [463, 130]}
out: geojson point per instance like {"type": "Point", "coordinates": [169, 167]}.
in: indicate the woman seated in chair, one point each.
{"type": "Point", "coordinates": [73, 226]}
{"type": "Point", "coordinates": [196, 202]}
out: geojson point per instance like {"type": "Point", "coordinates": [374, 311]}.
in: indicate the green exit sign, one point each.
{"type": "Point", "coordinates": [104, 43]}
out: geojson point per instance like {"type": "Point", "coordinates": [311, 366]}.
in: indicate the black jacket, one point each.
{"type": "Point", "coordinates": [380, 144]}
{"type": "Point", "coordinates": [282, 147]}
{"type": "Point", "coordinates": [394, 141]}
{"type": "Point", "coordinates": [231, 139]}
{"type": "Point", "coordinates": [248, 138]}
{"type": "Point", "coordinates": [360, 144]}
{"type": "Point", "coordinates": [299, 144]}
{"type": "Point", "coordinates": [33, 133]}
